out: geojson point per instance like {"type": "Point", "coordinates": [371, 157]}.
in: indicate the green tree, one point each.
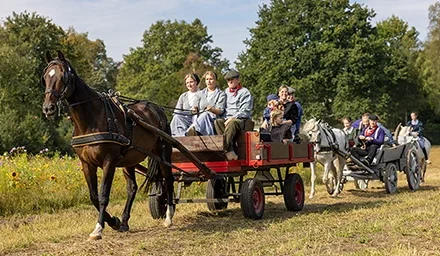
{"type": "Point", "coordinates": [400, 69]}
{"type": "Point", "coordinates": [90, 60]}
{"type": "Point", "coordinates": [155, 71]}
{"type": "Point", "coordinates": [327, 50]}
{"type": "Point", "coordinates": [429, 60]}
{"type": "Point", "coordinates": [24, 39]}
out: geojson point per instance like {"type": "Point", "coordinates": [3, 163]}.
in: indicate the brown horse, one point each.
{"type": "Point", "coordinates": [104, 137]}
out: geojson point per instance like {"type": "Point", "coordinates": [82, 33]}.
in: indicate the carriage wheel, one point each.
{"type": "Point", "coordinates": [391, 178]}
{"type": "Point", "coordinates": [294, 192]}
{"type": "Point", "coordinates": [157, 202]}
{"type": "Point", "coordinates": [412, 170]}
{"type": "Point", "coordinates": [216, 188]}
{"type": "Point", "coordinates": [252, 199]}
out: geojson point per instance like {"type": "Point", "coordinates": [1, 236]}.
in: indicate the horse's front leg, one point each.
{"type": "Point", "coordinates": [130, 178]}
{"type": "Point", "coordinates": [339, 164]}
{"type": "Point", "coordinates": [312, 178]}
{"type": "Point", "coordinates": [327, 168]}
{"type": "Point", "coordinates": [104, 195]}
{"type": "Point", "coordinates": [92, 183]}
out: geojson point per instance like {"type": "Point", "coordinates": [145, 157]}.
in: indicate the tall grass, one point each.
{"type": "Point", "coordinates": [31, 184]}
{"type": "Point", "coordinates": [34, 184]}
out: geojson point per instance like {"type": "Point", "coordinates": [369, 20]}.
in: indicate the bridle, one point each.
{"type": "Point", "coordinates": [67, 79]}
{"type": "Point", "coordinates": [315, 129]}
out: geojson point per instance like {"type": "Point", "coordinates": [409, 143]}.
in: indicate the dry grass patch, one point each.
{"type": "Point", "coordinates": [356, 223]}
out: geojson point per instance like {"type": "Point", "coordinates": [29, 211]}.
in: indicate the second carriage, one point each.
{"type": "Point", "coordinates": [385, 166]}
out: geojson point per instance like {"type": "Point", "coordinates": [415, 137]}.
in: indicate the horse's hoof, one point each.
{"type": "Point", "coordinates": [168, 224]}
{"type": "Point", "coordinates": [93, 237]}
{"type": "Point", "coordinates": [117, 225]}
{"type": "Point", "coordinates": [311, 196]}
{"type": "Point", "coordinates": [124, 228]}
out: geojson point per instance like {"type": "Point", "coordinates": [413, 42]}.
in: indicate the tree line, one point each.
{"type": "Point", "coordinates": [339, 62]}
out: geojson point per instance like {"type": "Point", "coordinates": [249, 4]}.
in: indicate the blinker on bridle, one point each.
{"type": "Point", "coordinates": [66, 79]}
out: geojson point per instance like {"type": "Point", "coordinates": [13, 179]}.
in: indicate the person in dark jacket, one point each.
{"type": "Point", "coordinates": [291, 112]}
{"type": "Point", "coordinates": [372, 138]}
{"type": "Point", "coordinates": [416, 129]}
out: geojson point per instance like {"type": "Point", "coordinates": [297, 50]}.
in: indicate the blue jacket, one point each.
{"type": "Point", "coordinates": [266, 114]}
{"type": "Point", "coordinates": [378, 136]}
{"type": "Point", "coordinates": [417, 127]}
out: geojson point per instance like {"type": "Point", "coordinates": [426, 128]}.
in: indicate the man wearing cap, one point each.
{"type": "Point", "coordinates": [363, 123]}
{"type": "Point", "coordinates": [239, 105]}
{"type": "Point", "coordinates": [373, 137]}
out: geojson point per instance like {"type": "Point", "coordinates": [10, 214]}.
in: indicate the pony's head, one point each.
{"type": "Point", "coordinates": [311, 129]}
{"type": "Point", "coordinates": [58, 80]}
{"type": "Point", "coordinates": [405, 135]}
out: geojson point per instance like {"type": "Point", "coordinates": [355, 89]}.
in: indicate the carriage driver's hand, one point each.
{"type": "Point", "coordinates": [361, 137]}
{"type": "Point", "coordinates": [369, 138]}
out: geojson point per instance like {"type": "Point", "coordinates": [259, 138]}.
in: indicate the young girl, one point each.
{"type": "Point", "coordinates": [349, 130]}
{"type": "Point", "coordinates": [279, 132]}
{"type": "Point", "coordinates": [416, 128]}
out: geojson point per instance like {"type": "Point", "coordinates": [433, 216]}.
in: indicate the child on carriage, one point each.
{"type": "Point", "coordinates": [349, 131]}
{"type": "Point", "coordinates": [272, 103]}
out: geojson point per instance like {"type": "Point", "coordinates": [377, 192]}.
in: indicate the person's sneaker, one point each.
{"type": "Point", "coordinates": [230, 155]}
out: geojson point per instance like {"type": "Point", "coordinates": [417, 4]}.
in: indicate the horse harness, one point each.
{"type": "Point", "coordinates": [329, 136]}
{"type": "Point", "coordinates": [112, 98]}
{"type": "Point", "coordinates": [110, 136]}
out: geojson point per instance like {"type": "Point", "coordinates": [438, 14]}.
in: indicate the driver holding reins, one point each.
{"type": "Point", "coordinates": [372, 138]}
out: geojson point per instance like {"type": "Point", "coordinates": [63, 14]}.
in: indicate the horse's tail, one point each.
{"type": "Point", "coordinates": [153, 174]}
{"type": "Point", "coordinates": [162, 149]}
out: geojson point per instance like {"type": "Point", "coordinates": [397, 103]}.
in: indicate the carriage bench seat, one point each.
{"type": "Point", "coordinates": [208, 148]}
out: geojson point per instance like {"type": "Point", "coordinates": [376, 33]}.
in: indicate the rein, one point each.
{"type": "Point", "coordinates": [132, 100]}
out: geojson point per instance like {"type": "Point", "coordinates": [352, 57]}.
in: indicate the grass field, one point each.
{"type": "Point", "coordinates": [355, 223]}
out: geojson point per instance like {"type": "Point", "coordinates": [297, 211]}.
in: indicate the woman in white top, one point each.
{"type": "Point", "coordinates": [187, 106]}
{"type": "Point", "coordinates": [212, 104]}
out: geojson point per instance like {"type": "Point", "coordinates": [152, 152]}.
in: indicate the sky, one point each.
{"type": "Point", "coordinates": [121, 23]}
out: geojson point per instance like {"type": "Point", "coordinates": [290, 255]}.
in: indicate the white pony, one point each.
{"type": "Point", "coordinates": [328, 141]}
{"type": "Point", "coordinates": [404, 136]}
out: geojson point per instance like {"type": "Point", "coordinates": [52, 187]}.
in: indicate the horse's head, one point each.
{"type": "Point", "coordinates": [405, 135]}
{"type": "Point", "coordinates": [311, 129]}
{"type": "Point", "coordinates": [58, 79]}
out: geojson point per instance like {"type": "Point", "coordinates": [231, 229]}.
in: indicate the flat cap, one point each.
{"type": "Point", "coordinates": [290, 90]}
{"type": "Point", "coordinates": [232, 74]}
{"type": "Point", "coordinates": [373, 117]}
